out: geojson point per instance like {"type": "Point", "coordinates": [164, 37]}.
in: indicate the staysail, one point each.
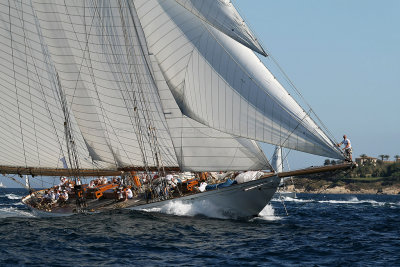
{"type": "Point", "coordinates": [199, 147]}
{"type": "Point", "coordinates": [221, 83]}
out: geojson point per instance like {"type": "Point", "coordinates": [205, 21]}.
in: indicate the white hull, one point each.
{"type": "Point", "coordinates": [237, 201]}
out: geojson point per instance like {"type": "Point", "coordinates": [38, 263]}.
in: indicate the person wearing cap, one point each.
{"type": "Point", "coordinates": [348, 151]}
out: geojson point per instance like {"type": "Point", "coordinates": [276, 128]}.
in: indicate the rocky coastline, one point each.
{"type": "Point", "coordinates": [312, 186]}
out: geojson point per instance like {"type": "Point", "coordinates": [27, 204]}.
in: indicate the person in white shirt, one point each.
{"type": "Point", "coordinates": [128, 194]}
{"type": "Point", "coordinates": [347, 148]}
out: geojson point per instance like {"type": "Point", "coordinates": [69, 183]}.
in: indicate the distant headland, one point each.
{"type": "Point", "coordinates": [372, 176]}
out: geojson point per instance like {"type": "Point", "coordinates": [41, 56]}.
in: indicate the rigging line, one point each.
{"type": "Point", "coordinates": [15, 180]}
{"type": "Point", "coordinates": [138, 128]}
{"type": "Point", "coordinates": [48, 65]}
{"type": "Point", "coordinates": [15, 84]}
{"type": "Point", "coordinates": [233, 158]}
{"type": "Point", "coordinates": [116, 161]}
{"type": "Point", "coordinates": [27, 75]}
{"type": "Point", "coordinates": [287, 154]}
{"type": "Point", "coordinates": [128, 52]}
{"type": "Point", "coordinates": [179, 160]}
{"type": "Point", "coordinates": [74, 166]}
{"type": "Point", "coordinates": [156, 97]}
{"type": "Point", "coordinates": [83, 58]}
{"type": "Point", "coordinates": [90, 68]}
{"type": "Point", "coordinates": [136, 117]}
{"type": "Point", "coordinates": [330, 135]}
{"type": "Point", "coordinates": [151, 129]}
{"type": "Point", "coordinates": [156, 145]}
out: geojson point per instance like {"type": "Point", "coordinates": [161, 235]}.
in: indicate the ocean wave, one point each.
{"type": "Point", "coordinates": [355, 200]}
{"type": "Point", "coordinates": [291, 199]}
{"type": "Point", "coordinates": [14, 212]}
{"type": "Point", "coordinates": [12, 196]}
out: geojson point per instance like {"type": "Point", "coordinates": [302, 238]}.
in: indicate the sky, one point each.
{"type": "Point", "coordinates": [344, 58]}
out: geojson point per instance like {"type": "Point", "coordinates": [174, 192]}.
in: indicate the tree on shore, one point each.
{"type": "Point", "coordinates": [363, 156]}
{"type": "Point", "coordinates": [381, 156]}
{"type": "Point", "coordinates": [387, 157]}
{"type": "Point", "coordinates": [397, 157]}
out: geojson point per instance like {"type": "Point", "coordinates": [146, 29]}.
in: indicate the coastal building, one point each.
{"type": "Point", "coordinates": [366, 160]}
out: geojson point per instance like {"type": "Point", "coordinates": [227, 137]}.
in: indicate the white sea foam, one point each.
{"type": "Point", "coordinates": [354, 200]}
{"type": "Point", "coordinates": [350, 200]}
{"type": "Point", "coordinates": [208, 209]}
{"type": "Point", "coordinates": [179, 208]}
{"type": "Point", "coordinates": [13, 196]}
{"type": "Point", "coordinates": [291, 199]}
{"type": "Point", "coordinates": [14, 212]}
{"type": "Point", "coordinates": [268, 214]}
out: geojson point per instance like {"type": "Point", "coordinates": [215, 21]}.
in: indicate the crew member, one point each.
{"type": "Point", "coordinates": [348, 151]}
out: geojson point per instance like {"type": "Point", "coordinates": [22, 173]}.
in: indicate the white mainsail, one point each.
{"type": "Point", "coordinates": [31, 118]}
{"type": "Point", "coordinates": [102, 69]}
{"type": "Point", "coordinates": [146, 83]}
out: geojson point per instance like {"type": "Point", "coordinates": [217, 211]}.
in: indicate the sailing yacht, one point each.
{"type": "Point", "coordinates": [167, 86]}
{"type": "Point", "coordinates": [2, 185]}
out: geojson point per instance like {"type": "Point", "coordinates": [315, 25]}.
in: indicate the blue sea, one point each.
{"type": "Point", "coordinates": [319, 230]}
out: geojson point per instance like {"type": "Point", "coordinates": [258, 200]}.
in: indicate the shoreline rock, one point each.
{"type": "Point", "coordinates": [345, 189]}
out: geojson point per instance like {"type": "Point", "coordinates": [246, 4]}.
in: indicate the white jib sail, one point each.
{"type": "Point", "coordinates": [222, 15]}
{"type": "Point", "coordinates": [222, 84]}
